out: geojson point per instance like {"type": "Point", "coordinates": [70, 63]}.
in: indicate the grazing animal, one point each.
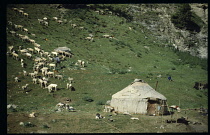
{"type": "Point", "coordinates": [16, 79]}
{"type": "Point", "coordinates": [98, 116]}
{"type": "Point", "coordinates": [51, 86]}
{"type": "Point", "coordinates": [34, 80]}
{"type": "Point", "coordinates": [25, 87]}
{"type": "Point", "coordinates": [32, 115]}
{"type": "Point", "coordinates": [59, 76]}
{"type": "Point", "coordinates": [24, 73]}
{"type": "Point", "coordinates": [175, 107]}
{"type": "Point", "coordinates": [134, 118]}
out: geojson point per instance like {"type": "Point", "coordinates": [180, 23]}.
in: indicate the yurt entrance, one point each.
{"type": "Point", "coordinates": [151, 107]}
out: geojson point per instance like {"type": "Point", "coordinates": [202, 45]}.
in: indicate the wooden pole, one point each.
{"type": "Point", "coordinates": [156, 85]}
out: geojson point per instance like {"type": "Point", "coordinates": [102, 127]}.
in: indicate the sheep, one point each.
{"type": "Point", "coordinates": [50, 73]}
{"type": "Point", "coordinates": [34, 80]}
{"type": "Point", "coordinates": [15, 55]}
{"type": "Point", "coordinates": [106, 36]}
{"type": "Point", "coordinates": [37, 49]}
{"type": "Point", "coordinates": [59, 76]}
{"type": "Point", "coordinates": [97, 12]}
{"type": "Point", "coordinates": [23, 51]}
{"type": "Point", "coordinates": [41, 64]}
{"type": "Point", "coordinates": [28, 55]}
{"type": "Point", "coordinates": [89, 38]}
{"type": "Point", "coordinates": [16, 79]}
{"type": "Point", "coordinates": [45, 18]}
{"type": "Point", "coordinates": [45, 23]}
{"type": "Point", "coordinates": [46, 53]}
{"type": "Point", "coordinates": [51, 86]}
{"type": "Point", "coordinates": [67, 54]}
{"type": "Point", "coordinates": [98, 116]}
{"type": "Point", "coordinates": [40, 20]}
{"type": "Point", "coordinates": [175, 107]}
{"type": "Point", "coordinates": [68, 85]}
{"type": "Point", "coordinates": [25, 30]}
{"type": "Point", "coordinates": [32, 115]}
{"type": "Point", "coordinates": [25, 14]}
{"type": "Point", "coordinates": [83, 63]}
{"type": "Point", "coordinates": [15, 9]}
{"type": "Point", "coordinates": [19, 27]}
{"type": "Point", "coordinates": [81, 28]}
{"type": "Point", "coordinates": [73, 25]}
{"type": "Point", "coordinates": [25, 87]}
{"type": "Point", "coordinates": [20, 11]}
{"type": "Point", "coordinates": [52, 65]}
{"type": "Point", "coordinates": [60, 105]}
{"type": "Point", "coordinates": [59, 21]}
{"type": "Point", "coordinates": [40, 81]}
{"type": "Point", "coordinates": [31, 50]}
{"type": "Point", "coordinates": [44, 71]}
{"type": "Point", "coordinates": [11, 48]}
{"type": "Point", "coordinates": [24, 38]}
{"type": "Point", "coordinates": [23, 64]}
{"type": "Point", "coordinates": [31, 41]}
{"type": "Point", "coordinates": [45, 83]}
{"type": "Point", "coordinates": [32, 75]}
{"type": "Point", "coordinates": [134, 118]}
{"type": "Point", "coordinates": [35, 73]}
{"type": "Point", "coordinates": [33, 34]}
{"type": "Point", "coordinates": [55, 18]}
{"type": "Point", "coordinates": [12, 32]}
{"type": "Point", "coordinates": [24, 73]}
{"type": "Point", "coordinates": [129, 28]}
{"type": "Point", "coordinates": [70, 80]}
{"type": "Point", "coordinates": [54, 53]}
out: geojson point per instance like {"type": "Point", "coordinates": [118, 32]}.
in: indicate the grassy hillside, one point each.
{"type": "Point", "coordinates": [111, 65]}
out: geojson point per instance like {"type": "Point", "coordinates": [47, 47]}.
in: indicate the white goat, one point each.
{"type": "Point", "coordinates": [34, 80]}
{"type": "Point", "coordinates": [89, 38]}
{"type": "Point", "coordinates": [50, 73]}
{"type": "Point", "coordinates": [54, 53]}
{"type": "Point", "coordinates": [28, 55]}
{"type": "Point", "coordinates": [24, 73]}
{"type": "Point", "coordinates": [59, 21]}
{"type": "Point", "coordinates": [31, 41]}
{"type": "Point", "coordinates": [23, 51]}
{"type": "Point", "coordinates": [59, 76]}
{"type": "Point", "coordinates": [52, 65]}
{"type": "Point", "coordinates": [55, 18]}
{"type": "Point", "coordinates": [25, 14]}
{"type": "Point", "coordinates": [51, 86]}
{"type": "Point", "coordinates": [134, 118]}
{"type": "Point", "coordinates": [25, 30]}
{"type": "Point", "coordinates": [25, 87]}
{"type": "Point", "coordinates": [73, 25]}
{"type": "Point", "coordinates": [40, 20]}
{"type": "Point", "coordinates": [16, 79]}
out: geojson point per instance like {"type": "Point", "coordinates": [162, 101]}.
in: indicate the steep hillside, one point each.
{"type": "Point", "coordinates": [132, 50]}
{"type": "Point", "coordinates": [157, 18]}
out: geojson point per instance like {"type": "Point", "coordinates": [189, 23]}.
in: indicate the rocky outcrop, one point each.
{"type": "Point", "coordinates": [157, 18]}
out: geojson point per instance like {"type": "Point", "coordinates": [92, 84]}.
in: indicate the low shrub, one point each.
{"type": "Point", "coordinates": [88, 99]}
{"type": "Point", "coordinates": [100, 103]}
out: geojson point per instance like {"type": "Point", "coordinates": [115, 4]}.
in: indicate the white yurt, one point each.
{"type": "Point", "coordinates": [139, 98]}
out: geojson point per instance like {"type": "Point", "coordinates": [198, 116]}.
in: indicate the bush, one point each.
{"type": "Point", "coordinates": [45, 126]}
{"type": "Point", "coordinates": [185, 19]}
{"type": "Point", "coordinates": [100, 103]}
{"type": "Point", "coordinates": [88, 99]}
